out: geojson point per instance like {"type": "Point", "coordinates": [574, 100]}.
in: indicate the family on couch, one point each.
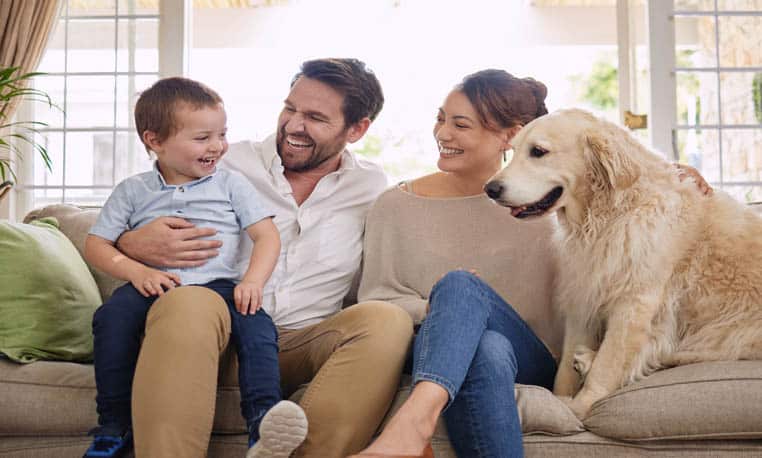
{"type": "Point", "coordinates": [475, 338]}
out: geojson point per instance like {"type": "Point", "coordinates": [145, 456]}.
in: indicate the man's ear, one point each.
{"type": "Point", "coordinates": [151, 139]}
{"type": "Point", "coordinates": [358, 129]}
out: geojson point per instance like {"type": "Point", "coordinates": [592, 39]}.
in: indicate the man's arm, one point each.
{"type": "Point", "coordinates": [169, 242]}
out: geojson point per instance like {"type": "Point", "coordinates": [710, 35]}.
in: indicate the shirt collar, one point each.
{"type": "Point", "coordinates": [163, 182]}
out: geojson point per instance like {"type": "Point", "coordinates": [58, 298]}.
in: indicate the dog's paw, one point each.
{"type": "Point", "coordinates": [583, 360]}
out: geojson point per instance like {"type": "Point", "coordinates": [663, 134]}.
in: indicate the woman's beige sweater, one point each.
{"type": "Point", "coordinates": [411, 241]}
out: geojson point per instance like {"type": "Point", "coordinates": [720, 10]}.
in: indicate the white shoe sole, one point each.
{"type": "Point", "coordinates": [283, 428]}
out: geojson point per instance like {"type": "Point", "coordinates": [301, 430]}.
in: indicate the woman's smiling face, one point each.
{"type": "Point", "coordinates": [465, 144]}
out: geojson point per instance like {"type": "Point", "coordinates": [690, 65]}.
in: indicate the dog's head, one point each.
{"type": "Point", "coordinates": [560, 160]}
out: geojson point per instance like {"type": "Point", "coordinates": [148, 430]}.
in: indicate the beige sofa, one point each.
{"type": "Point", "coordinates": [702, 410]}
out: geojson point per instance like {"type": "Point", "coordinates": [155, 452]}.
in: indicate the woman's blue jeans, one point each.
{"type": "Point", "coordinates": [118, 327]}
{"type": "Point", "coordinates": [474, 345]}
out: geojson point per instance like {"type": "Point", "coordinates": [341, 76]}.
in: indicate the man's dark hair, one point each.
{"type": "Point", "coordinates": [362, 92]}
{"type": "Point", "coordinates": [155, 109]}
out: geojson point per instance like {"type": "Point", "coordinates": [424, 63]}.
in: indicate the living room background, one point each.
{"type": "Point", "coordinates": [103, 52]}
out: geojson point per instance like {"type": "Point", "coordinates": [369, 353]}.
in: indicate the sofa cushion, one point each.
{"type": "Point", "coordinates": [75, 222]}
{"type": "Point", "coordinates": [48, 295]}
{"type": "Point", "coordinates": [717, 400]}
{"type": "Point", "coordinates": [30, 392]}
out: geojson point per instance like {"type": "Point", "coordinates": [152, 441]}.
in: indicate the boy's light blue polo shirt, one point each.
{"type": "Point", "coordinates": [224, 200]}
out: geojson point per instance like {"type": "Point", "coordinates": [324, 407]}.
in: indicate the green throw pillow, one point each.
{"type": "Point", "coordinates": [47, 294]}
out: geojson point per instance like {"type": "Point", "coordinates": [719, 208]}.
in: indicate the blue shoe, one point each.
{"type": "Point", "coordinates": [109, 446]}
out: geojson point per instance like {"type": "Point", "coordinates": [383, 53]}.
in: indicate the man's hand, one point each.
{"type": "Point", "coordinates": [152, 282]}
{"type": "Point", "coordinates": [248, 297]}
{"type": "Point", "coordinates": [686, 171]}
{"type": "Point", "coordinates": [169, 242]}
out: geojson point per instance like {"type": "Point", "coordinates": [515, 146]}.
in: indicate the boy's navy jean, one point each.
{"type": "Point", "coordinates": [474, 345]}
{"type": "Point", "coordinates": [118, 327]}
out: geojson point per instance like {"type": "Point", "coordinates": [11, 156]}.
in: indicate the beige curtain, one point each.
{"type": "Point", "coordinates": [25, 26]}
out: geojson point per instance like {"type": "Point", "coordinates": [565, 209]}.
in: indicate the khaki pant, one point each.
{"type": "Point", "coordinates": [352, 361]}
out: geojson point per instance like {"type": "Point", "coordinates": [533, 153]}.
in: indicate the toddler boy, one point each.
{"type": "Point", "coordinates": [183, 123]}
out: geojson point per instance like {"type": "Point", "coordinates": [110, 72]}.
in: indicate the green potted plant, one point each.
{"type": "Point", "coordinates": [13, 87]}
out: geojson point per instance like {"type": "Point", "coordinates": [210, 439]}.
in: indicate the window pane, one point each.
{"type": "Point", "coordinates": [741, 154]}
{"type": "Point", "coordinates": [694, 5]}
{"type": "Point", "coordinates": [695, 45]}
{"type": "Point", "coordinates": [744, 193]}
{"type": "Point", "coordinates": [739, 5]}
{"type": "Point", "coordinates": [131, 156]}
{"type": "Point", "coordinates": [43, 197]}
{"type": "Point", "coordinates": [54, 87]}
{"type": "Point", "coordinates": [138, 7]}
{"type": "Point", "coordinates": [54, 57]}
{"type": "Point", "coordinates": [700, 149]}
{"type": "Point", "coordinates": [87, 197]}
{"type": "Point", "coordinates": [53, 142]}
{"type": "Point", "coordinates": [128, 89]}
{"type": "Point", "coordinates": [738, 99]}
{"type": "Point", "coordinates": [91, 46]}
{"type": "Point", "coordinates": [90, 101]}
{"type": "Point", "coordinates": [90, 8]}
{"type": "Point", "coordinates": [80, 167]}
{"type": "Point", "coordinates": [740, 41]}
{"type": "Point", "coordinates": [697, 98]}
{"type": "Point", "coordinates": [142, 37]}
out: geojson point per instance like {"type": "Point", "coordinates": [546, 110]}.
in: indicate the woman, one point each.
{"type": "Point", "coordinates": [477, 340]}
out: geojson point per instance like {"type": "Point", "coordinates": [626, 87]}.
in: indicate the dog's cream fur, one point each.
{"type": "Point", "coordinates": [653, 273]}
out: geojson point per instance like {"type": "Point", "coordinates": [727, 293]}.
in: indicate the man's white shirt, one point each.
{"type": "Point", "coordinates": [321, 240]}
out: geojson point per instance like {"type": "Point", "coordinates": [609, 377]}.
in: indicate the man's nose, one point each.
{"type": "Point", "coordinates": [295, 123]}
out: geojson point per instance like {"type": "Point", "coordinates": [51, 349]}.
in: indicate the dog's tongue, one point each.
{"type": "Point", "coordinates": [516, 210]}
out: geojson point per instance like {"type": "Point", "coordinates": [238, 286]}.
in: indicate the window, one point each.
{"type": "Point", "coordinates": [418, 48]}
{"type": "Point", "coordinates": [105, 51]}
{"type": "Point", "coordinates": [101, 54]}
{"type": "Point", "coordinates": [718, 76]}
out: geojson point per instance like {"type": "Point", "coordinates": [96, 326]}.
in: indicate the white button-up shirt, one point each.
{"type": "Point", "coordinates": [321, 240]}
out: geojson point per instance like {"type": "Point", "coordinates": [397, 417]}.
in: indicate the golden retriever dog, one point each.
{"type": "Point", "coordinates": [652, 274]}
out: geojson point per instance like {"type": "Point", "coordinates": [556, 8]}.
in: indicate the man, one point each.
{"type": "Point", "coordinates": [320, 193]}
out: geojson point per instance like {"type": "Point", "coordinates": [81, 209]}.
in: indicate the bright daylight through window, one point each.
{"type": "Point", "coordinates": [104, 52]}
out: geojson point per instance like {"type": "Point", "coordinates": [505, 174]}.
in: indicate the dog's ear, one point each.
{"type": "Point", "coordinates": [607, 162]}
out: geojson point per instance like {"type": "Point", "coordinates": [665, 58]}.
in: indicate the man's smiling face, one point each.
{"type": "Point", "coordinates": [311, 126]}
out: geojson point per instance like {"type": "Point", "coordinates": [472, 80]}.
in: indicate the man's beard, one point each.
{"type": "Point", "coordinates": [320, 152]}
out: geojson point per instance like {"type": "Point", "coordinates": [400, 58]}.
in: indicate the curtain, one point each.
{"type": "Point", "coordinates": [25, 26]}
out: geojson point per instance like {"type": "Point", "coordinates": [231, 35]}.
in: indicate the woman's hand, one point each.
{"type": "Point", "coordinates": [686, 171]}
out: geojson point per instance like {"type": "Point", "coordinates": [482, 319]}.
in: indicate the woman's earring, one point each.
{"type": "Point", "coordinates": [505, 156]}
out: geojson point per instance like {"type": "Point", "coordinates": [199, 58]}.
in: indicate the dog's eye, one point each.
{"type": "Point", "coordinates": [536, 151]}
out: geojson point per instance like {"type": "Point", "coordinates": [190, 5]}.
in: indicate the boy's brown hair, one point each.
{"type": "Point", "coordinates": [156, 106]}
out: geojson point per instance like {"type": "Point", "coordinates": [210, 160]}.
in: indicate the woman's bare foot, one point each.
{"type": "Point", "coordinates": [411, 428]}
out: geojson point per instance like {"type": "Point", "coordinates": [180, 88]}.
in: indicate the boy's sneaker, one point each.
{"type": "Point", "coordinates": [109, 445]}
{"type": "Point", "coordinates": [283, 428]}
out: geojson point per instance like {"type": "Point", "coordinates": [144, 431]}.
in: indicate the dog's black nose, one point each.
{"type": "Point", "coordinates": [494, 189]}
